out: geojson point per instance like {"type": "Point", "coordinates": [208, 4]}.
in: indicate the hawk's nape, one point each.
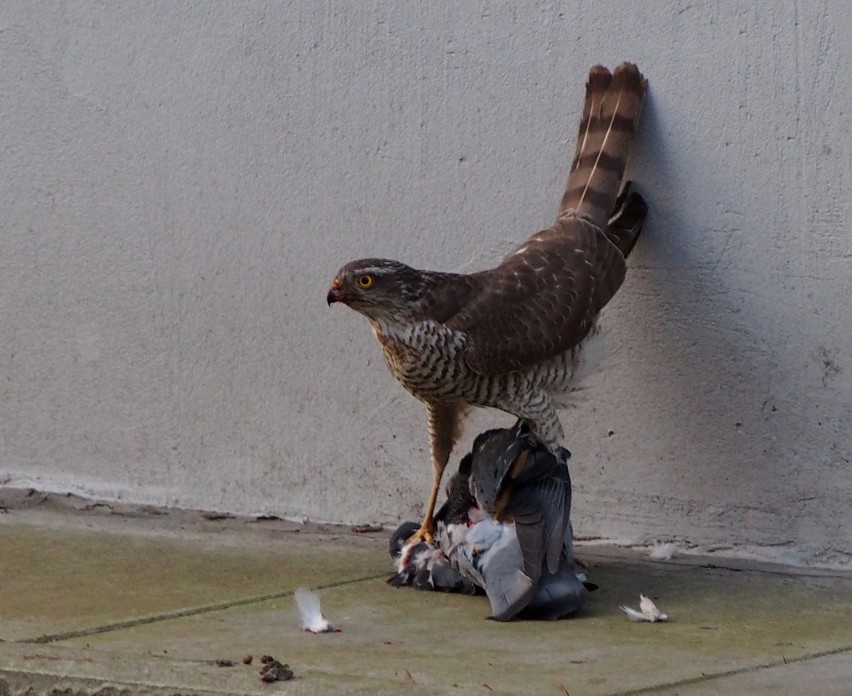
{"type": "Point", "coordinates": [512, 337]}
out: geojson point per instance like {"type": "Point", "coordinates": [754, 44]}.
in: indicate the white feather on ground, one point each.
{"type": "Point", "coordinates": [663, 552]}
{"type": "Point", "coordinates": [313, 620]}
{"type": "Point", "coordinates": [648, 611]}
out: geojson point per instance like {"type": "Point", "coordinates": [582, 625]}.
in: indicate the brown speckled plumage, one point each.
{"type": "Point", "coordinates": [511, 337]}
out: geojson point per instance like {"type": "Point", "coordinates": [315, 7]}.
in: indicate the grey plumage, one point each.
{"type": "Point", "coordinates": [489, 555]}
{"type": "Point", "coordinates": [504, 528]}
{"type": "Point", "coordinates": [524, 550]}
{"type": "Point", "coordinates": [423, 566]}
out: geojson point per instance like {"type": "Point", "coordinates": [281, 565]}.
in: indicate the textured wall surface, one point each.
{"type": "Point", "coordinates": [180, 182]}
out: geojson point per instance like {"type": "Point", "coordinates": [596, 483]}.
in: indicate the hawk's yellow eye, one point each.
{"type": "Point", "coordinates": [364, 281]}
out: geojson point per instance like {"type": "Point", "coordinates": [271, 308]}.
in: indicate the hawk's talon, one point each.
{"type": "Point", "coordinates": [424, 533]}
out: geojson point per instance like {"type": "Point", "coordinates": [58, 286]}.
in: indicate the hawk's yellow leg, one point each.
{"type": "Point", "coordinates": [444, 426]}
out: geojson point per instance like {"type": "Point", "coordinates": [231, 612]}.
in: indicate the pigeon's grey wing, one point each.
{"type": "Point", "coordinates": [509, 591]}
{"type": "Point", "coordinates": [568, 545]}
{"type": "Point", "coordinates": [539, 465]}
{"type": "Point", "coordinates": [556, 499]}
{"type": "Point", "coordinates": [448, 579]}
{"type": "Point", "coordinates": [541, 511]}
{"type": "Point", "coordinates": [525, 508]}
{"type": "Point", "coordinates": [558, 594]}
{"type": "Point", "coordinates": [489, 555]}
{"type": "Point", "coordinates": [494, 453]}
{"type": "Point", "coordinates": [508, 587]}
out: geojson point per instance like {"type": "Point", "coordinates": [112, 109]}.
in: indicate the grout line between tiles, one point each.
{"type": "Point", "coordinates": [733, 672]}
{"type": "Point", "coordinates": [183, 613]}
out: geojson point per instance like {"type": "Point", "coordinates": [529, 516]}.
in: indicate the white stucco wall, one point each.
{"type": "Point", "coordinates": [180, 182]}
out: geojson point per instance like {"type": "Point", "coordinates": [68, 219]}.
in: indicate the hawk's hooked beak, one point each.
{"type": "Point", "coordinates": [334, 295]}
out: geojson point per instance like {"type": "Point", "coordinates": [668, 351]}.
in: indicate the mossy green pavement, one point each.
{"type": "Point", "coordinates": [104, 599]}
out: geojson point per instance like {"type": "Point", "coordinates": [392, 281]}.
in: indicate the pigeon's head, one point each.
{"type": "Point", "coordinates": [380, 289]}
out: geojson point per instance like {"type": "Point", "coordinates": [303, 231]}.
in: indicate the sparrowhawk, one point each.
{"type": "Point", "coordinates": [512, 337]}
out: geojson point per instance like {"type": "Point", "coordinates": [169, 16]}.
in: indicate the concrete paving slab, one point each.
{"type": "Point", "coordinates": [826, 675]}
{"type": "Point", "coordinates": [722, 620]}
{"type": "Point", "coordinates": [69, 570]}
{"type": "Point", "coordinates": [738, 629]}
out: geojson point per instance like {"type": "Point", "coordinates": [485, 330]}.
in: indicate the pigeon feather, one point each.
{"type": "Point", "coordinates": [648, 611]}
{"type": "Point", "coordinates": [313, 620]}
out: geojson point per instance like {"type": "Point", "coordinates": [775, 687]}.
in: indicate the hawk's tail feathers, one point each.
{"type": "Point", "coordinates": [625, 222]}
{"type": "Point", "coordinates": [610, 114]}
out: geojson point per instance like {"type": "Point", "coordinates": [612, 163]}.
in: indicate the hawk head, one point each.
{"type": "Point", "coordinates": [380, 289]}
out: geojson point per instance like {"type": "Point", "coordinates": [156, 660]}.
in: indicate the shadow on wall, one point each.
{"type": "Point", "coordinates": [708, 361]}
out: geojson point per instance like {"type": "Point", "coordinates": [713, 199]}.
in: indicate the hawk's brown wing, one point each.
{"type": "Point", "coordinates": [542, 300]}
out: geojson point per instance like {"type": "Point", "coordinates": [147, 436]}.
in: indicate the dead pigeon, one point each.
{"type": "Point", "coordinates": [528, 569]}
{"type": "Point", "coordinates": [504, 529]}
